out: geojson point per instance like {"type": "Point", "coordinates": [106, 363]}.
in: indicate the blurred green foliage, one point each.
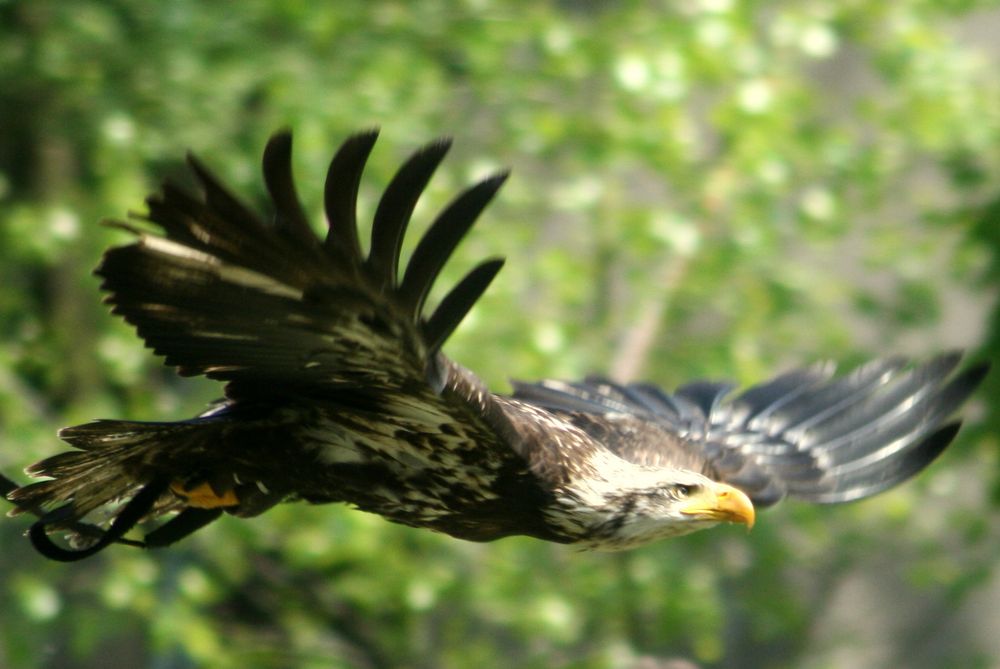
{"type": "Point", "coordinates": [701, 188]}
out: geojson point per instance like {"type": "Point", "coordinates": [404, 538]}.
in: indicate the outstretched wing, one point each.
{"type": "Point", "coordinates": [805, 434]}
{"type": "Point", "coordinates": [266, 304]}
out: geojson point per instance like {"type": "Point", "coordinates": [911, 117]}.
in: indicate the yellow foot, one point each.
{"type": "Point", "coordinates": [203, 497]}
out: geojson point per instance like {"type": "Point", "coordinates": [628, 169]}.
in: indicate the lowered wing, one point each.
{"type": "Point", "coordinates": [805, 434]}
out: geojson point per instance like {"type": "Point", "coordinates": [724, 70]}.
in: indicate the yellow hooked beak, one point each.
{"type": "Point", "coordinates": [720, 502]}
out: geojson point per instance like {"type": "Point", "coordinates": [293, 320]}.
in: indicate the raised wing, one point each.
{"type": "Point", "coordinates": [805, 434]}
{"type": "Point", "coordinates": [262, 304]}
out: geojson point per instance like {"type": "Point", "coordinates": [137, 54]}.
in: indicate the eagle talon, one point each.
{"type": "Point", "coordinates": [203, 496]}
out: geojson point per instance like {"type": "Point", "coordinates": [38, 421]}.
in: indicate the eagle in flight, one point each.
{"type": "Point", "coordinates": [336, 390]}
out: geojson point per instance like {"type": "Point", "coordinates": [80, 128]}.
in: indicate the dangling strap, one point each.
{"type": "Point", "coordinates": [187, 521]}
{"type": "Point", "coordinates": [133, 512]}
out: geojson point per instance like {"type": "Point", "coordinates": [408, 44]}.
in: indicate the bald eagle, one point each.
{"type": "Point", "coordinates": [337, 391]}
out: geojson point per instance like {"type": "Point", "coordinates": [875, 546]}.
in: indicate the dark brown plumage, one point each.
{"type": "Point", "coordinates": [337, 391]}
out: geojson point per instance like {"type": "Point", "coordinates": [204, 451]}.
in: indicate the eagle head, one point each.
{"type": "Point", "coordinates": [637, 505]}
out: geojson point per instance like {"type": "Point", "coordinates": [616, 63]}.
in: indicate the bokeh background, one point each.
{"type": "Point", "coordinates": [703, 188]}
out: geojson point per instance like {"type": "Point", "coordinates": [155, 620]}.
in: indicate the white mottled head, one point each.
{"type": "Point", "coordinates": [631, 505]}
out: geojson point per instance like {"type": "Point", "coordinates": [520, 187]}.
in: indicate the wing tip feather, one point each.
{"type": "Point", "coordinates": [395, 209]}
{"type": "Point", "coordinates": [458, 302]}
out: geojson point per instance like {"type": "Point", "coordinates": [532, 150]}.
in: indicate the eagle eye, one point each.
{"type": "Point", "coordinates": [683, 489]}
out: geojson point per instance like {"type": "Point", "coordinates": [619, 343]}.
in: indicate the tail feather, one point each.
{"type": "Point", "coordinates": [131, 471]}
{"type": "Point", "coordinates": [115, 459]}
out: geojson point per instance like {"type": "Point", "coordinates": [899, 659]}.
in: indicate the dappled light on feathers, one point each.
{"type": "Point", "coordinates": [336, 390]}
